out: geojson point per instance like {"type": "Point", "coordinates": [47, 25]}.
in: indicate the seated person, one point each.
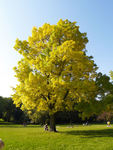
{"type": "Point", "coordinates": [46, 127]}
{"type": "Point", "coordinates": [1, 144]}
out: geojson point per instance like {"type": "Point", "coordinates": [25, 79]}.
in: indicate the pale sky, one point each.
{"type": "Point", "coordinates": [17, 17]}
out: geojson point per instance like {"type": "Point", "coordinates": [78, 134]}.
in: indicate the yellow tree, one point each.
{"type": "Point", "coordinates": [55, 73]}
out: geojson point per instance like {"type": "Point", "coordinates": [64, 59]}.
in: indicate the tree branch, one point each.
{"type": "Point", "coordinates": [44, 97]}
{"type": "Point", "coordinates": [66, 94]}
{"type": "Point", "coordinates": [49, 96]}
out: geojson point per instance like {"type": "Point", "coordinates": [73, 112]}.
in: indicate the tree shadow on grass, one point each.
{"type": "Point", "coordinates": [19, 126]}
{"type": "Point", "coordinates": [90, 133]}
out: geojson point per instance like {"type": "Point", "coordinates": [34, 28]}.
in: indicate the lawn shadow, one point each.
{"type": "Point", "coordinates": [90, 133]}
{"type": "Point", "coordinates": [19, 126]}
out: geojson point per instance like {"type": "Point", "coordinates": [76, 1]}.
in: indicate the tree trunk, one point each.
{"type": "Point", "coordinates": [52, 123]}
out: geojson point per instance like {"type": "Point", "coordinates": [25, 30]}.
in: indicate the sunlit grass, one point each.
{"type": "Point", "coordinates": [93, 137]}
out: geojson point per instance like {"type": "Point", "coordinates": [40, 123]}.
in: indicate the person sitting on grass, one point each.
{"type": "Point", "coordinates": [46, 127]}
{"type": "Point", "coordinates": [1, 144]}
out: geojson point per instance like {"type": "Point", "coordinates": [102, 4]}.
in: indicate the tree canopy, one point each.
{"type": "Point", "coordinates": [54, 74]}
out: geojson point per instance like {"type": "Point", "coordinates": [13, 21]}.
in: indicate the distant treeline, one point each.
{"type": "Point", "coordinates": [10, 113]}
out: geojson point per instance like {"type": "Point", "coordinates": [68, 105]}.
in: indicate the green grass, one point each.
{"type": "Point", "coordinates": [94, 137]}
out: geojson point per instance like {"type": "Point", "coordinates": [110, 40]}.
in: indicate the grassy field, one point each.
{"type": "Point", "coordinates": [93, 137]}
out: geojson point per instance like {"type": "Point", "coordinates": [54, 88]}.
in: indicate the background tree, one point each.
{"type": "Point", "coordinates": [102, 104]}
{"type": "Point", "coordinates": [2, 106]}
{"type": "Point", "coordinates": [41, 117]}
{"type": "Point", "coordinates": [108, 98]}
{"type": "Point", "coordinates": [105, 116]}
{"type": "Point", "coordinates": [55, 73]}
{"type": "Point", "coordinates": [9, 112]}
{"type": "Point", "coordinates": [105, 97]}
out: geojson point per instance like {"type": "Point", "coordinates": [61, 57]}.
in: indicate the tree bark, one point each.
{"type": "Point", "coordinates": [52, 123]}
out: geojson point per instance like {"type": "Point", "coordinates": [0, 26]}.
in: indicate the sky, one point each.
{"type": "Point", "coordinates": [17, 18]}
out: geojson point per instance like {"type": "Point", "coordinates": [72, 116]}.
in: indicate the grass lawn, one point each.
{"type": "Point", "coordinates": [93, 137]}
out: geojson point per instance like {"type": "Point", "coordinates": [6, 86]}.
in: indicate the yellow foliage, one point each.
{"type": "Point", "coordinates": [55, 73]}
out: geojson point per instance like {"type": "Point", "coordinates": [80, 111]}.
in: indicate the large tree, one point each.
{"type": "Point", "coordinates": [54, 73]}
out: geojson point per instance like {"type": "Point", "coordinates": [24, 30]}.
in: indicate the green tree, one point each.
{"type": "Point", "coordinates": [108, 98]}
{"type": "Point", "coordinates": [39, 117]}
{"type": "Point", "coordinates": [105, 96]}
{"type": "Point", "coordinates": [9, 112]}
{"type": "Point", "coordinates": [55, 73]}
{"type": "Point", "coordinates": [2, 106]}
{"type": "Point", "coordinates": [103, 99]}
